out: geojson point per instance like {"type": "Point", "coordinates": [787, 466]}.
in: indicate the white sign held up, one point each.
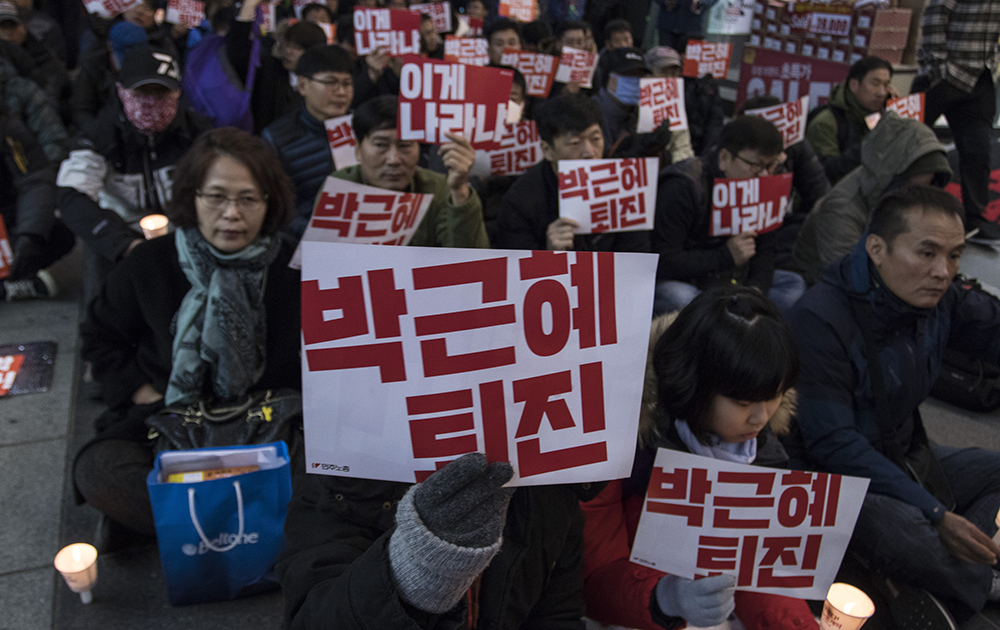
{"type": "Point", "coordinates": [609, 195]}
{"type": "Point", "coordinates": [789, 118]}
{"type": "Point", "coordinates": [340, 133]}
{"type": "Point", "coordinates": [661, 100]}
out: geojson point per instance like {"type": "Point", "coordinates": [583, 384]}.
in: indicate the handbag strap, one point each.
{"type": "Point", "coordinates": [201, 532]}
{"type": "Point", "coordinates": [235, 412]}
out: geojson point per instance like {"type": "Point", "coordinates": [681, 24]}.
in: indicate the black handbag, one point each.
{"type": "Point", "coordinates": [263, 417]}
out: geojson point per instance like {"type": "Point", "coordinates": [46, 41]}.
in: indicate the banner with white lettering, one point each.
{"type": "Point", "coordinates": [704, 58]}
{"type": "Point", "coordinates": [608, 195]}
{"type": "Point", "coordinates": [340, 133]}
{"type": "Point", "coordinates": [395, 29]}
{"type": "Point", "coordinates": [6, 253]}
{"type": "Point", "coordinates": [520, 149]}
{"type": "Point", "coordinates": [539, 69]}
{"type": "Point", "coordinates": [110, 8]}
{"type": "Point", "coordinates": [440, 12]}
{"type": "Point", "coordinates": [756, 204]}
{"type": "Point", "coordinates": [472, 51]}
{"type": "Point", "coordinates": [190, 13]}
{"type": "Point", "coordinates": [787, 77]}
{"type": "Point", "coordinates": [576, 66]}
{"type": "Point", "coordinates": [789, 118]}
{"type": "Point", "coordinates": [660, 100]}
{"type": "Point", "coordinates": [414, 356]}
{"type": "Point", "coordinates": [437, 97]}
{"type": "Point", "coordinates": [777, 531]}
{"type": "Point", "coordinates": [911, 106]}
{"type": "Point", "coordinates": [520, 10]}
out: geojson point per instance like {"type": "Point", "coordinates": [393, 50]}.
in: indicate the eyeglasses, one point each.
{"type": "Point", "coordinates": [336, 84]}
{"type": "Point", "coordinates": [759, 166]}
{"type": "Point", "coordinates": [218, 201]}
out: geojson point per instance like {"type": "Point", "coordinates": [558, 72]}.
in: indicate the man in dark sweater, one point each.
{"type": "Point", "coordinates": [692, 260]}
{"type": "Point", "coordinates": [327, 88]}
{"type": "Point", "coordinates": [570, 129]}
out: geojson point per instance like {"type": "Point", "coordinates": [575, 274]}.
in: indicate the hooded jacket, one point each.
{"type": "Point", "coordinates": [838, 219]}
{"type": "Point", "coordinates": [836, 428]}
{"type": "Point", "coordinates": [27, 102]}
{"type": "Point", "coordinates": [838, 149]}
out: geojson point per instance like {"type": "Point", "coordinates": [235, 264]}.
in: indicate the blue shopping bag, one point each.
{"type": "Point", "coordinates": [219, 539]}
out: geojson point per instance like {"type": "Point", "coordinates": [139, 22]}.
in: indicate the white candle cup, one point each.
{"type": "Point", "coordinates": [78, 565]}
{"type": "Point", "coordinates": [846, 608]}
{"type": "Point", "coordinates": [154, 225]}
{"type": "Point", "coordinates": [996, 536]}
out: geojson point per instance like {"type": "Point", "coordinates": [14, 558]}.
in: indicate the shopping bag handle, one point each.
{"type": "Point", "coordinates": [201, 532]}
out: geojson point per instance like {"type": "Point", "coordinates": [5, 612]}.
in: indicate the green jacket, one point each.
{"type": "Point", "coordinates": [838, 220]}
{"type": "Point", "coordinates": [444, 225]}
{"type": "Point", "coordinates": [823, 133]}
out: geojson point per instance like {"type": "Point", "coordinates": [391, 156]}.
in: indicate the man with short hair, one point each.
{"type": "Point", "coordinates": [836, 132]}
{"type": "Point", "coordinates": [503, 33]}
{"type": "Point", "coordinates": [455, 217]}
{"type": "Point", "coordinates": [570, 129]}
{"type": "Point", "coordinates": [871, 336]}
{"type": "Point", "coordinates": [572, 34]}
{"type": "Point", "coordinates": [618, 34]}
{"type": "Point", "coordinates": [299, 138]}
{"type": "Point", "coordinates": [692, 260]}
{"type": "Point", "coordinates": [430, 41]}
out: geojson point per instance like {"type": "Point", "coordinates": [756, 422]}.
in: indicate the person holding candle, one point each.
{"type": "Point", "coordinates": [718, 384]}
{"type": "Point", "coordinates": [210, 312]}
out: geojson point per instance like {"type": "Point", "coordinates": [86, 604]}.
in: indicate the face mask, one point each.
{"type": "Point", "coordinates": [149, 114]}
{"type": "Point", "coordinates": [627, 90]}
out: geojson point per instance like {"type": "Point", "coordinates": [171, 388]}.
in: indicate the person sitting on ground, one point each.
{"type": "Point", "coordinates": [43, 28]}
{"type": "Point", "coordinates": [221, 276]}
{"type": "Point", "coordinates": [500, 35]}
{"type": "Point", "coordinates": [871, 336]}
{"type": "Point", "coordinates": [570, 129]}
{"type": "Point", "coordinates": [94, 84]}
{"type": "Point", "coordinates": [618, 34]}
{"type": "Point", "coordinates": [14, 30]}
{"type": "Point", "coordinates": [455, 216]}
{"type": "Point", "coordinates": [836, 131]}
{"type": "Point", "coordinates": [898, 152]}
{"type": "Point", "coordinates": [299, 138]}
{"type": "Point", "coordinates": [25, 101]}
{"type": "Point", "coordinates": [690, 258]}
{"type": "Point", "coordinates": [664, 63]}
{"type": "Point", "coordinates": [718, 384]}
{"type": "Point", "coordinates": [618, 99]}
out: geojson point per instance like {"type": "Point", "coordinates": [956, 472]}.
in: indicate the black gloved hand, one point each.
{"type": "Point", "coordinates": [464, 503]}
{"type": "Point", "coordinates": [29, 256]}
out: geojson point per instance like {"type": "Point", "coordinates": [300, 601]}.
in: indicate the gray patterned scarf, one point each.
{"type": "Point", "coordinates": [220, 327]}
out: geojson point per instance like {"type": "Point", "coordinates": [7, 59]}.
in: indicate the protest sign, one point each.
{"type": "Point", "coordinates": [777, 531]}
{"type": "Point", "coordinates": [264, 16]}
{"type": "Point", "coordinates": [520, 149]}
{"type": "Point", "coordinates": [437, 97]}
{"type": "Point", "coordinates": [472, 51]}
{"type": "Point", "coordinates": [330, 30]}
{"type": "Point", "coordinates": [911, 106]}
{"type": "Point", "coordinates": [539, 70]}
{"type": "Point", "coordinates": [110, 8]}
{"type": "Point", "coordinates": [756, 204]}
{"type": "Point", "coordinates": [659, 100]}
{"type": "Point", "coordinates": [297, 6]}
{"type": "Point", "coordinates": [731, 17]}
{"type": "Point", "coordinates": [26, 368]}
{"type": "Point", "coordinates": [835, 24]}
{"type": "Point", "coordinates": [789, 118]}
{"type": "Point", "coordinates": [576, 66]}
{"type": "Point", "coordinates": [414, 356]}
{"type": "Point", "coordinates": [6, 253]}
{"type": "Point", "coordinates": [190, 13]}
{"type": "Point", "coordinates": [520, 10]}
{"type": "Point", "coordinates": [608, 195]}
{"type": "Point", "coordinates": [787, 77]}
{"type": "Point", "coordinates": [440, 12]}
{"type": "Point", "coordinates": [340, 133]}
{"type": "Point", "coordinates": [703, 58]}
{"type": "Point", "coordinates": [395, 29]}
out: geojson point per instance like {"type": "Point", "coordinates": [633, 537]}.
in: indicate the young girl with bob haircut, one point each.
{"type": "Point", "coordinates": [718, 384]}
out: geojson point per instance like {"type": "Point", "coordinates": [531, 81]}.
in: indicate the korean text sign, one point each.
{"type": "Point", "coordinates": [539, 69]}
{"type": "Point", "coordinates": [789, 118]}
{"type": "Point", "coordinates": [520, 149]}
{"type": "Point", "coordinates": [787, 77]}
{"type": "Point", "coordinates": [576, 66]}
{"type": "Point", "coordinates": [473, 51]}
{"type": "Point", "coordinates": [608, 195]}
{"type": "Point", "coordinates": [340, 133]}
{"type": "Point", "coordinates": [110, 8]}
{"type": "Point", "coordinates": [395, 29]}
{"type": "Point", "coordinates": [704, 58]}
{"type": "Point", "coordinates": [520, 10]}
{"type": "Point", "coordinates": [778, 531]}
{"type": "Point", "coordinates": [10, 365]}
{"type": "Point", "coordinates": [414, 356]}
{"type": "Point", "coordinates": [190, 13]}
{"type": "Point", "coordinates": [911, 106]}
{"type": "Point", "coordinates": [440, 12]}
{"type": "Point", "coordinates": [756, 204]}
{"type": "Point", "coordinates": [660, 100]}
{"type": "Point", "coordinates": [437, 97]}
{"type": "Point", "coordinates": [6, 253]}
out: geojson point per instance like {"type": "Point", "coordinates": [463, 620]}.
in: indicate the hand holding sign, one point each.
{"type": "Point", "coordinates": [458, 157]}
{"type": "Point", "coordinates": [560, 233]}
{"type": "Point", "coordinates": [703, 603]}
{"type": "Point", "coordinates": [742, 247]}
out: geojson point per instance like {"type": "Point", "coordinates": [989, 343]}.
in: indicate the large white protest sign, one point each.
{"type": "Point", "coordinates": [731, 17]}
{"type": "Point", "coordinates": [190, 13]}
{"type": "Point", "coordinates": [472, 51]}
{"type": "Point", "coordinates": [440, 12]}
{"type": "Point", "coordinates": [911, 106]}
{"type": "Point", "coordinates": [576, 66]}
{"type": "Point", "coordinates": [414, 356]}
{"type": "Point", "coordinates": [520, 149]}
{"type": "Point", "coordinates": [661, 100]}
{"type": "Point", "coordinates": [778, 531]}
{"type": "Point", "coordinates": [396, 30]}
{"type": "Point", "coordinates": [340, 133]}
{"type": "Point", "coordinates": [608, 195]}
{"type": "Point", "coordinates": [789, 118]}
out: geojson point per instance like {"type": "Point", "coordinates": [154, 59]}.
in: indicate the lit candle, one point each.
{"type": "Point", "coordinates": [996, 536]}
{"type": "Point", "coordinates": [846, 608]}
{"type": "Point", "coordinates": [154, 225]}
{"type": "Point", "coordinates": [78, 565]}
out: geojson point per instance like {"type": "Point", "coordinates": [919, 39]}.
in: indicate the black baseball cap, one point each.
{"type": "Point", "coordinates": [625, 62]}
{"type": "Point", "coordinates": [147, 66]}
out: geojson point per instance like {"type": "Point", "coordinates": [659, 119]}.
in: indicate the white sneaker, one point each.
{"type": "Point", "coordinates": [43, 285]}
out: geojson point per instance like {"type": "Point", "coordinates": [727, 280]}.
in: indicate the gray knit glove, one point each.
{"type": "Point", "coordinates": [447, 531]}
{"type": "Point", "coordinates": [702, 603]}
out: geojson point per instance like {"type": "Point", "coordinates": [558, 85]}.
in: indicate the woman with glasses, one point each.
{"type": "Point", "coordinates": [209, 312]}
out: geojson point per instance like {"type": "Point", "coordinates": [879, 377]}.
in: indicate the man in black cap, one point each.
{"type": "Point", "coordinates": [619, 102]}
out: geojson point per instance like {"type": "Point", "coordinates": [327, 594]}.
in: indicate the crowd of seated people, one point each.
{"type": "Point", "coordinates": [220, 126]}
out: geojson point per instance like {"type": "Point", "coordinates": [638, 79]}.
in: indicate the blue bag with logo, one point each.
{"type": "Point", "coordinates": [219, 515]}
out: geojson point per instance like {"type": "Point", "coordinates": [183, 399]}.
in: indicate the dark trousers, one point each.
{"type": "Point", "coordinates": [111, 476]}
{"type": "Point", "coordinates": [970, 117]}
{"type": "Point", "coordinates": [898, 539]}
